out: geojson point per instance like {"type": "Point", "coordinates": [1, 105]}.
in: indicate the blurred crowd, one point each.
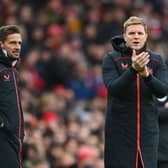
{"type": "Point", "coordinates": [63, 95]}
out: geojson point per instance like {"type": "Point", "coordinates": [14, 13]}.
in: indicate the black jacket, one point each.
{"type": "Point", "coordinates": [131, 129]}
{"type": "Point", "coordinates": [163, 138]}
{"type": "Point", "coordinates": [11, 115]}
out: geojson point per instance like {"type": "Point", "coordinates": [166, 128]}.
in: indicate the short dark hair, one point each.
{"type": "Point", "coordinates": [7, 30]}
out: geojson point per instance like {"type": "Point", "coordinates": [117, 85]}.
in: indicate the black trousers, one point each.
{"type": "Point", "coordinates": [163, 164]}
{"type": "Point", "coordinates": [9, 155]}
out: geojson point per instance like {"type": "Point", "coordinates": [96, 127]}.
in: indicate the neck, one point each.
{"type": "Point", "coordinates": [138, 51]}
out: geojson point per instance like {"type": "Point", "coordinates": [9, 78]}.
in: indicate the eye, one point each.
{"type": "Point", "coordinates": [131, 33]}
{"type": "Point", "coordinates": [12, 42]}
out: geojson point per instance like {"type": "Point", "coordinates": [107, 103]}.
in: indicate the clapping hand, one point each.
{"type": "Point", "coordinates": [139, 63]}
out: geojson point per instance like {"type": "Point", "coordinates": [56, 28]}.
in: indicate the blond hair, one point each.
{"type": "Point", "coordinates": [134, 20]}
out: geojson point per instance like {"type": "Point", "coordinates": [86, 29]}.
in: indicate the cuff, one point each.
{"type": "Point", "coordinates": [147, 79]}
{"type": "Point", "coordinates": [133, 70]}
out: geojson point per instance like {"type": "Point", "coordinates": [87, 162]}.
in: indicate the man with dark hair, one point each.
{"type": "Point", "coordinates": [11, 116]}
{"type": "Point", "coordinates": [134, 77]}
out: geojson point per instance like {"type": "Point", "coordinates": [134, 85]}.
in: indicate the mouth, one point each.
{"type": "Point", "coordinates": [16, 53]}
{"type": "Point", "coordinates": [135, 42]}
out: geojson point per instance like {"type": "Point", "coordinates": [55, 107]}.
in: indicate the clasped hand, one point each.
{"type": "Point", "coordinates": [139, 63]}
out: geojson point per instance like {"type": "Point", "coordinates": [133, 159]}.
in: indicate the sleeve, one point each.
{"type": "Point", "coordinates": [116, 83]}
{"type": "Point", "coordinates": [4, 123]}
{"type": "Point", "coordinates": [163, 114]}
{"type": "Point", "coordinates": [158, 83]}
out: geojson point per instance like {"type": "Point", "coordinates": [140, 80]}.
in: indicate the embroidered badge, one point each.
{"type": "Point", "coordinates": [6, 78]}
{"type": "Point", "coordinates": [150, 70]}
{"type": "Point", "coordinates": [124, 66]}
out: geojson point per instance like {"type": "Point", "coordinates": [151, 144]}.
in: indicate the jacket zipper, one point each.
{"type": "Point", "coordinates": [19, 127]}
{"type": "Point", "coordinates": [138, 153]}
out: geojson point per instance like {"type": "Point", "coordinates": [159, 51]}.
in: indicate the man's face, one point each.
{"type": "Point", "coordinates": [135, 36]}
{"type": "Point", "coordinates": [12, 45]}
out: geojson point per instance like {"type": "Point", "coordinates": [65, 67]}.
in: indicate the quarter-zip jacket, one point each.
{"type": "Point", "coordinates": [11, 115]}
{"type": "Point", "coordinates": [131, 129]}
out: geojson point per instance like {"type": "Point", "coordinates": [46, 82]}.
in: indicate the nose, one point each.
{"type": "Point", "coordinates": [18, 46]}
{"type": "Point", "coordinates": [136, 35]}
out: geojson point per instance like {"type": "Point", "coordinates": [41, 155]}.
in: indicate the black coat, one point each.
{"type": "Point", "coordinates": [131, 129]}
{"type": "Point", "coordinates": [163, 135]}
{"type": "Point", "coordinates": [11, 116]}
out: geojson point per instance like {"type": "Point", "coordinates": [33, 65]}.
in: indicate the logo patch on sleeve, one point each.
{"type": "Point", "coordinates": [124, 66]}
{"type": "Point", "coordinates": [6, 77]}
{"type": "Point", "coordinates": [150, 70]}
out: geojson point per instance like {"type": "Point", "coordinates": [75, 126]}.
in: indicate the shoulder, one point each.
{"type": "Point", "coordinates": [2, 67]}
{"type": "Point", "coordinates": [155, 57]}
{"type": "Point", "coordinates": [109, 59]}
{"type": "Point", "coordinates": [111, 55]}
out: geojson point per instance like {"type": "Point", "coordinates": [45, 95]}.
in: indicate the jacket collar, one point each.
{"type": "Point", "coordinates": [120, 45]}
{"type": "Point", "coordinates": [5, 59]}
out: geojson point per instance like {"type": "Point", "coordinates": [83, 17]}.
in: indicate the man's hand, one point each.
{"type": "Point", "coordinates": [139, 63]}
{"type": "Point", "coordinates": [145, 72]}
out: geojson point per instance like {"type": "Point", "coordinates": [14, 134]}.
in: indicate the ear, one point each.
{"type": "Point", "coordinates": [146, 36]}
{"type": "Point", "coordinates": [124, 37]}
{"type": "Point", "coordinates": [1, 44]}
